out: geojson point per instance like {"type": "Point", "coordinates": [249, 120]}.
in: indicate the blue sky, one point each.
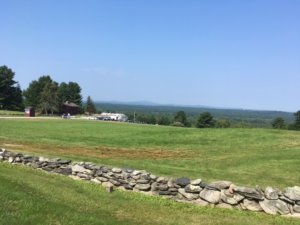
{"type": "Point", "coordinates": [233, 53]}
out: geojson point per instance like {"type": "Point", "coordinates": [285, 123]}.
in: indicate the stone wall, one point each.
{"type": "Point", "coordinates": [220, 194]}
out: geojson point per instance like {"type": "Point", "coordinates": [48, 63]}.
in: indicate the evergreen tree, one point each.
{"type": "Point", "coordinates": [205, 120]}
{"type": "Point", "coordinates": [278, 123]}
{"type": "Point", "coordinates": [180, 118]}
{"type": "Point", "coordinates": [90, 106]}
{"type": "Point", "coordinates": [10, 91]}
{"type": "Point", "coordinates": [297, 120]}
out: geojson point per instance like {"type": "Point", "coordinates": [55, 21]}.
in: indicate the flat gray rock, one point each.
{"type": "Point", "coordinates": [183, 181]}
{"type": "Point", "coordinates": [196, 182]}
{"type": "Point", "coordinates": [296, 208]}
{"type": "Point", "coordinates": [292, 193]}
{"type": "Point", "coordinates": [116, 170]}
{"type": "Point", "coordinates": [189, 196]}
{"type": "Point", "coordinates": [272, 193]}
{"type": "Point", "coordinates": [220, 184]}
{"type": "Point", "coordinates": [232, 199]}
{"type": "Point", "coordinates": [274, 207]}
{"type": "Point", "coordinates": [252, 205]}
{"type": "Point", "coordinates": [143, 187]}
{"type": "Point", "coordinates": [255, 193]}
{"type": "Point", "coordinates": [211, 196]}
{"type": "Point", "coordinates": [192, 188]}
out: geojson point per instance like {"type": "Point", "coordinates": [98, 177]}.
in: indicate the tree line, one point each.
{"type": "Point", "coordinates": [44, 94]}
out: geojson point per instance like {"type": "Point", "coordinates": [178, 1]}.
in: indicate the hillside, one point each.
{"type": "Point", "coordinates": [255, 118]}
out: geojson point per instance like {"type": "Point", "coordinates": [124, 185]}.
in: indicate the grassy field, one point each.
{"type": "Point", "coordinates": [34, 197]}
{"type": "Point", "coordinates": [10, 113]}
{"type": "Point", "coordinates": [244, 156]}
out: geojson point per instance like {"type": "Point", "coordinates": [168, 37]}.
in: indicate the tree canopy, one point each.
{"type": "Point", "coordinates": [90, 106]}
{"type": "Point", "coordinates": [10, 91]}
{"type": "Point", "coordinates": [48, 96]}
{"type": "Point", "coordinates": [180, 118]}
{"type": "Point", "coordinates": [205, 120]}
{"type": "Point", "coordinates": [278, 123]}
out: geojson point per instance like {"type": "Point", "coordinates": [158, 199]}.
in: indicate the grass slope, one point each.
{"type": "Point", "coordinates": [244, 156]}
{"type": "Point", "coordinates": [34, 197]}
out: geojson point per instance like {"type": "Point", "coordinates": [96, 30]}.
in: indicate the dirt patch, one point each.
{"type": "Point", "coordinates": [104, 152]}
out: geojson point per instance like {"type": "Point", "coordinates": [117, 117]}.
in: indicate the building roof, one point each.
{"type": "Point", "coordinates": [70, 104]}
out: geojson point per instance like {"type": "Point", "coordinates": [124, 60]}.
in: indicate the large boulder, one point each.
{"type": "Point", "coordinates": [274, 207]}
{"type": "Point", "coordinates": [211, 196]}
{"type": "Point", "coordinates": [292, 193]}
{"type": "Point", "coordinates": [80, 169]}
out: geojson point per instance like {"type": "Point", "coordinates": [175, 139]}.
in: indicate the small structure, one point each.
{"type": "Point", "coordinates": [70, 108]}
{"type": "Point", "coordinates": [29, 112]}
{"type": "Point", "coordinates": [113, 117]}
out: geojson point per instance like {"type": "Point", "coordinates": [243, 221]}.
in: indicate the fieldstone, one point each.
{"type": "Point", "coordinates": [162, 187]}
{"type": "Point", "coordinates": [64, 171]}
{"type": "Point", "coordinates": [64, 162]}
{"type": "Point", "coordinates": [171, 183]}
{"type": "Point", "coordinates": [183, 181]}
{"type": "Point", "coordinates": [230, 198]}
{"type": "Point", "coordinates": [80, 169]}
{"type": "Point", "coordinates": [192, 188]}
{"type": "Point", "coordinates": [224, 206]}
{"type": "Point", "coordinates": [142, 181]}
{"type": "Point", "coordinates": [274, 207]}
{"type": "Point", "coordinates": [153, 177]}
{"type": "Point", "coordinates": [167, 193]}
{"type": "Point", "coordinates": [296, 208]}
{"type": "Point", "coordinates": [200, 202]}
{"type": "Point", "coordinates": [271, 193]}
{"type": "Point", "coordinates": [163, 180]}
{"type": "Point", "coordinates": [254, 193]}
{"type": "Point", "coordinates": [219, 185]}
{"type": "Point", "coordinates": [292, 193]}
{"type": "Point", "coordinates": [43, 159]}
{"type": "Point", "coordinates": [83, 176]}
{"type": "Point", "coordinates": [143, 187]}
{"type": "Point", "coordinates": [95, 180]}
{"type": "Point", "coordinates": [116, 170]}
{"type": "Point", "coordinates": [189, 196]}
{"type": "Point", "coordinates": [11, 159]}
{"type": "Point", "coordinates": [211, 196]}
{"type": "Point", "coordinates": [136, 172]}
{"type": "Point", "coordinates": [287, 200]}
{"type": "Point", "coordinates": [252, 205]}
{"type": "Point", "coordinates": [196, 182]}
{"type": "Point", "coordinates": [115, 182]}
{"type": "Point", "coordinates": [102, 179]}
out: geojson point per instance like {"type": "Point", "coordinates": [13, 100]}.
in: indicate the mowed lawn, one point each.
{"type": "Point", "coordinates": [33, 197]}
{"type": "Point", "coordinates": [244, 156]}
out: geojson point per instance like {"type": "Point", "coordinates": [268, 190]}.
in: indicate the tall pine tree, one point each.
{"type": "Point", "coordinates": [90, 106]}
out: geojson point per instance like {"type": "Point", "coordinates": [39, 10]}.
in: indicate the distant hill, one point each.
{"type": "Point", "coordinates": [256, 118]}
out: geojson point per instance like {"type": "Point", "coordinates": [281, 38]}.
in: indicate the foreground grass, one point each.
{"type": "Point", "coordinates": [244, 156]}
{"type": "Point", "coordinates": [34, 197]}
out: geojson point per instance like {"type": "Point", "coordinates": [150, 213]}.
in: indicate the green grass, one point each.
{"type": "Point", "coordinates": [11, 113]}
{"type": "Point", "coordinates": [34, 197]}
{"type": "Point", "coordinates": [244, 156]}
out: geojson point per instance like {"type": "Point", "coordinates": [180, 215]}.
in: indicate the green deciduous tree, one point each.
{"type": "Point", "coordinates": [205, 120]}
{"type": "Point", "coordinates": [49, 99]}
{"type": "Point", "coordinates": [278, 123]}
{"type": "Point", "coordinates": [33, 93]}
{"type": "Point", "coordinates": [222, 123]}
{"type": "Point", "coordinates": [90, 106]}
{"type": "Point", "coordinates": [10, 91]}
